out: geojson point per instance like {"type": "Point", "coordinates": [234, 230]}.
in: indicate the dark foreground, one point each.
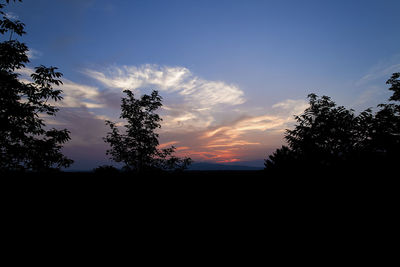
{"type": "Point", "coordinates": [246, 194]}
{"type": "Point", "coordinates": [318, 180]}
{"type": "Point", "coordinates": [347, 175]}
{"type": "Point", "coordinates": [185, 174]}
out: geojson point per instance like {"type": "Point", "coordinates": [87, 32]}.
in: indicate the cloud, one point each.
{"type": "Point", "coordinates": [33, 54]}
{"type": "Point", "coordinates": [209, 119]}
{"type": "Point", "coordinates": [377, 73]}
{"type": "Point", "coordinates": [197, 91]}
{"type": "Point", "coordinates": [371, 89]}
{"type": "Point", "coordinates": [291, 106]}
{"type": "Point", "coordinates": [87, 129]}
{"type": "Point", "coordinates": [11, 15]}
{"type": "Point", "coordinates": [206, 120]}
{"type": "Point", "coordinates": [74, 94]}
{"type": "Point", "coordinates": [190, 101]}
{"type": "Point", "coordinates": [367, 97]}
{"type": "Point", "coordinates": [381, 70]}
{"type": "Point", "coordinates": [243, 137]}
{"type": "Point", "coordinates": [25, 72]}
{"type": "Point", "coordinates": [76, 110]}
{"type": "Point", "coordinates": [78, 95]}
{"type": "Point", "coordinates": [168, 144]}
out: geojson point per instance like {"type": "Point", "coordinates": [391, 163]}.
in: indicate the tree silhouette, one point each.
{"type": "Point", "coordinates": [385, 137]}
{"type": "Point", "coordinates": [137, 147]}
{"type": "Point", "coordinates": [322, 137]}
{"type": "Point", "coordinates": [395, 86]}
{"type": "Point", "coordinates": [330, 136]}
{"type": "Point", "coordinates": [25, 144]}
{"type": "Point", "coordinates": [283, 158]}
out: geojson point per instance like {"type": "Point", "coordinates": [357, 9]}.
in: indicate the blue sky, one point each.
{"type": "Point", "coordinates": [256, 60]}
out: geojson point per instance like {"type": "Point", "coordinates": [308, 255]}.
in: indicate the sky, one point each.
{"type": "Point", "coordinates": [232, 73]}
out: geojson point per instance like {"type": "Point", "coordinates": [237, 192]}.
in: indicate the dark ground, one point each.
{"type": "Point", "coordinates": [216, 208]}
{"type": "Point", "coordinates": [317, 182]}
{"type": "Point", "coordinates": [203, 198]}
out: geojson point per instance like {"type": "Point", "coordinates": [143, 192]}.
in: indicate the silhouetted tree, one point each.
{"type": "Point", "coordinates": [137, 147]}
{"type": "Point", "coordinates": [385, 137]}
{"type": "Point", "coordinates": [324, 133]}
{"type": "Point", "coordinates": [331, 136]}
{"type": "Point", "coordinates": [25, 144]}
{"type": "Point", "coordinates": [282, 158]}
{"type": "Point", "coordinates": [395, 86]}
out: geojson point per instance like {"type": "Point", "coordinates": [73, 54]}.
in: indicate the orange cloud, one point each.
{"type": "Point", "coordinates": [168, 144]}
{"type": "Point", "coordinates": [182, 148]}
{"type": "Point", "coordinates": [228, 161]}
{"type": "Point", "coordinates": [211, 155]}
{"type": "Point", "coordinates": [231, 142]}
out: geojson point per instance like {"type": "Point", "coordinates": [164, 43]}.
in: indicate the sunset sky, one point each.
{"type": "Point", "coordinates": [231, 73]}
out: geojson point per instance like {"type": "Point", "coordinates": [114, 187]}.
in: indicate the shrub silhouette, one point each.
{"type": "Point", "coordinates": [25, 144]}
{"type": "Point", "coordinates": [328, 136]}
{"type": "Point", "coordinates": [137, 146]}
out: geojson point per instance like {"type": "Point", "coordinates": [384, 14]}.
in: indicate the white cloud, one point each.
{"type": "Point", "coordinates": [33, 54]}
{"type": "Point", "coordinates": [74, 94]}
{"type": "Point", "coordinates": [291, 106]}
{"type": "Point", "coordinates": [78, 95]}
{"type": "Point", "coordinates": [382, 69]}
{"type": "Point", "coordinates": [371, 88]}
{"type": "Point", "coordinates": [190, 102]}
{"type": "Point", "coordinates": [182, 117]}
{"type": "Point", "coordinates": [199, 92]}
{"type": "Point", "coordinates": [378, 72]}
{"type": "Point", "coordinates": [11, 15]}
{"type": "Point", "coordinates": [25, 72]}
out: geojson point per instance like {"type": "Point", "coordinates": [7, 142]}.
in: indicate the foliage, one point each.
{"type": "Point", "coordinates": [331, 136]}
{"type": "Point", "coordinates": [137, 147]}
{"type": "Point", "coordinates": [395, 86]}
{"type": "Point", "coordinates": [25, 144]}
{"type": "Point", "coordinates": [281, 158]}
{"type": "Point", "coordinates": [385, 138]}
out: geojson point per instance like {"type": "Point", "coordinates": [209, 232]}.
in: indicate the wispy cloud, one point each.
{"type": "Point", "coordinates": [199, 92]}
{"type": "Point", "coordinates": [190, 101]}
{"type": "Point", "coordinates": [291, 106]}
{"type": "Point", "coordinates": [34, 54]}
{"type": "Point", "coordinates": [381, 70]}
{"type": "Point", "coordinates": [74, 94]}
{"type": "Point", "coordinates": [377, 73]}
{"type": "Point", "coordinates": [167, 144]}
{"type": "Point", "coordinates": [251, 131]}
{"type": "Point", "coordinates": [81, 112]}
{"type": "Point", "coordinates": [79, 95]}
{"type": "Point", "coordinates": [371, 86]}
{"type": "Point", "coordinates": [11, 15]}
{"type": "Point", "coordinates": [206, 120]}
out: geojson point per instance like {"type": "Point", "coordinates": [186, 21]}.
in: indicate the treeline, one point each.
{"type": "Point", "coordinates": [331, 137]}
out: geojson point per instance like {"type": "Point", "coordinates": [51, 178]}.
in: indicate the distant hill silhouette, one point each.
{"type": "Point", "coordinates": [207, 166]}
